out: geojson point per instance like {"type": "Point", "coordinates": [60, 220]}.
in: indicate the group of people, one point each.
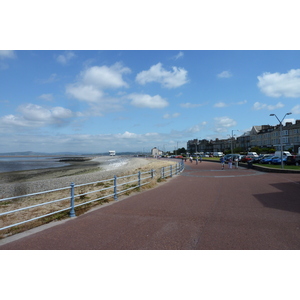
{"type": "Point", "coordinates": [236, 163]}
{"type": "Point", "coordinates": [222, 160]}
{"type": "Point", "coordinates": [197, 159]}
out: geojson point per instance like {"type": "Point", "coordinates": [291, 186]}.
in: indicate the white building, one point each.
{"type": "Point", "coordinates": [156, 152]}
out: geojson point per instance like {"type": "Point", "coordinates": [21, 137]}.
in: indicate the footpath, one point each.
{"type": "Point", "coordinates": [203, 208]}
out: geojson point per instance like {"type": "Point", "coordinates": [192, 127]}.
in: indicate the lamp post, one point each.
{"type": "Point", "coordinates": [281, 145]}
{"type": "Point", "coordinates": [232, 139]}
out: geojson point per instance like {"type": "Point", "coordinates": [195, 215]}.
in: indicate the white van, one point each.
{"type": "Point", "coordinates": [284, 153]}
{"type": "Point", "coordinates": [218, 154]}
{"type": "Point", "coordinates": [253, 154]}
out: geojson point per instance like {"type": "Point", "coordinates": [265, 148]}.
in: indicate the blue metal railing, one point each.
{"type": "Point", "coordinates": [117, 185]}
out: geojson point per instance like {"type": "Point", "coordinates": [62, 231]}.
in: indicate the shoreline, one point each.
{"type": "Point", "coordinates": [26, 182]}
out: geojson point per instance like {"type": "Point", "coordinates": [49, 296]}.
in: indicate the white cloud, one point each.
{"type": "Point", "coordinates": [171, 116]}
{"type": "Point", "coordinates": [180, 54]}
{"type": "Point", "coordinates": [241, 102]}
{"type": "Point", "coordinates": [167, 79]}
{"type": "Point", "coordinates": [52, 78]}
{"type": "Point", "coordinates": [190, 105]}
{"type": "Point", "coordinates": [4, 55]}
{"type": "Point", "coordinates": [7, 54]}
{"type": "Point", "coordinates": [46, 97]}
{"type": "Point", "coordinates": [259, 106]}
{"type": "Point", "coordinates": [296, 110]}
{"type": "Point", "coordinates": [32, 115]}
{"type": "Point", "coordinates": [223, 123]}
{"type": "Point", "coordinates": [105, 77]}
{"type": "Point", "coordinates": [128, 135]}
{"type": "Point", "coordinates": [91, 85]}
{"type": "Point", "coordinates": [224, 74]}
{"type": "Point", "coordinates": [66, 57]}
{"type": "Point", "coordinates": [144, 100]}
{"type": "Point", "coordinates": [87, 93]}
{"type": "Point", "coordinates": [220, 104]}
{"type": "Point", "coordinates": [280, 85]}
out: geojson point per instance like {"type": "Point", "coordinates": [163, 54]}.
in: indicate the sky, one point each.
{"type": "Point", "coordinates": [133, 100]}
{"type": "Point", "coordinates": [97, 78]}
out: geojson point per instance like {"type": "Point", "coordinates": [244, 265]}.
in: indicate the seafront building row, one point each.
{"type": "Point", "coordinates": [263, 136]}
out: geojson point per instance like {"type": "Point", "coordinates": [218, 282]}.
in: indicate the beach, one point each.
{"type": "Point", "coordinates": [78, 172]}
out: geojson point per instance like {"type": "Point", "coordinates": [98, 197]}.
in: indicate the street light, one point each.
{"type": "Point", "coordinates": [281, 146]}
{"type": "Point", "coordinates": [232, 139]}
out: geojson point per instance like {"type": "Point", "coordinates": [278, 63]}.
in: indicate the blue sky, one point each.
{"type": "Point", "coordinates": [126, 100]}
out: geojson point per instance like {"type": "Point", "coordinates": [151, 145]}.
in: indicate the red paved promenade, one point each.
{"type": "Point", "coordinates": [202, 208]}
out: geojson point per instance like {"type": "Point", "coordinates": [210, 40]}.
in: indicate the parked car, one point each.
{"type": "Point", "coordinates": [293, 160]}
{"type": "Point", "coordinates": [247, 158]}
{"type": "Point", "coordinates": [267, 159]}
{"type": "Point", "coordinates": [261, 156]}
{"type": "Point", "coordinates": [277, 160]}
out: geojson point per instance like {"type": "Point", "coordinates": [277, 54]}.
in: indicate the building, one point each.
{"type": "Point", "coordinates": [156, 152]}
{"type": "Point", "coordinates": [263, 136]}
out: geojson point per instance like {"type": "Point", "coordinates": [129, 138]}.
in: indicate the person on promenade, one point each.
{"type": "Point", "coordinates": [196, 160]}
{"type": "Point", "coordinates": [222, 160]}
{"type": "Point", "coordinates": [191, 159]}
{"type": "Point", "coordinates": [200, 158]}
{"type": "Point", "coordinates": [230, 163]}
{"type": "Point", "coordinates": [236, 163]}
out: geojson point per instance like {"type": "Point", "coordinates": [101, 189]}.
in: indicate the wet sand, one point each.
{"type": "Point", "coordinates": [75, 168]}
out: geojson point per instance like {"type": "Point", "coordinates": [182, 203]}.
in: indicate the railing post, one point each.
{"type": "Point", "coordinates": [72, 211]}
{"type": "Point", "coordinates": [163, 172]}
{"type": "Point", "coordinates": [115, 188]}
{"type": "Point", "coordinates": [171, 171]}
{"type": "Point", "coordinates": [152, 173]}
{"type": "Point", "coordinates": [139, 178]}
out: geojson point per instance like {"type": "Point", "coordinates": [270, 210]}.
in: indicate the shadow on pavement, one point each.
{"type": "Point", "coordinates": [287, 198]}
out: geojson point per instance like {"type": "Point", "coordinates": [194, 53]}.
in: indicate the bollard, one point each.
{"type": "Point", "coordinates": [72, 211]}
{"type": "Point", "coordinates": [115, 188]}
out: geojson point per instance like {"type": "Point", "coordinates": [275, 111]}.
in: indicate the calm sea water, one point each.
{"type": "Point", "coordinates": [10, 164]}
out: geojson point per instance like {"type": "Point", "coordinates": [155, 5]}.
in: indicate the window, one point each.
{"type": "Point", "coordinates": [285, 140]}
{"type": "Point", "coordinates": [285, 132]}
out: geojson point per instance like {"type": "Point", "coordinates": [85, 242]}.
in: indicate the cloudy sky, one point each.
{"type": "Point", "coordinates": [107, 77]}
{"type": "Point", "coordinates": [95, 101]}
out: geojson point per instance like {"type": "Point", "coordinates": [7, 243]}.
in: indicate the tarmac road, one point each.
{"type": "Point", "coordinates": [202, 208]}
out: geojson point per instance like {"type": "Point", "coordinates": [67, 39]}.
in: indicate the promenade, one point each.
{"type": "Point", "coordinates": [202, 208]}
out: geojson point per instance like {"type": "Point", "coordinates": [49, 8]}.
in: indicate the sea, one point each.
{"type": "Point", "coordinates": [12, 163]}
{"type": "Point", "coordinates": [24, 163]}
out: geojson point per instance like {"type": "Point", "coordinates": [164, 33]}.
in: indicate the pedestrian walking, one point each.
{"type": "Point", "coordinates": [191, 159]}
{"type": "Point", "coordinates": [196, 160]}
{"type": "Point", "coordinates": [230, 163]}
{"type": "Point", "coordinates": [222, 160]}
{"type": "Point", "coordinates": [200, 158]}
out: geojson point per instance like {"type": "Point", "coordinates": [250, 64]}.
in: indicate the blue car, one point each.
{"type": "Point", "coordinates": [267, 159]}
{"type": "Point", "coordinates": [277, 160]}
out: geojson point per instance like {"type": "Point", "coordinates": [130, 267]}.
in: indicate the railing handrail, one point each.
{"type": "Point", "coordinates": [179, 167]}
